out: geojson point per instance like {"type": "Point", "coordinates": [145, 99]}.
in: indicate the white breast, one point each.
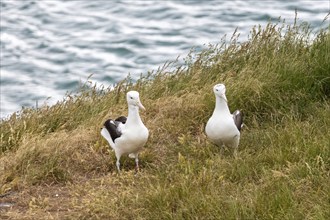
{"type": "Point", "coordinates": [132, 139]}
{"type": "Point", "coordinates": [221, 130]}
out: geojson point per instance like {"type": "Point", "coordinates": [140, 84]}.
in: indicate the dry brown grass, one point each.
{"type": "Point", "coordinates": [55, 165]}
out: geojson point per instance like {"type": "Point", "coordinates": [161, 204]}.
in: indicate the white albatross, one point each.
{"type": "Point", "coordinates": [223, 128]}
{"type": "Point", "coordinates": [127, 135]}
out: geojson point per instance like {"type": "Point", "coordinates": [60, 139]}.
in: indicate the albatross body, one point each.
{"type": "Point", "coordinates": [223, 128]}
{"type": "Point", "coordinates": [127, 135]}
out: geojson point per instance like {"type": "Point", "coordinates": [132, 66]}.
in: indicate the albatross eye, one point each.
{"type": "Point", "coordinates": [131, 97]}
{"type": "Point", "coordinates": [217, 90]}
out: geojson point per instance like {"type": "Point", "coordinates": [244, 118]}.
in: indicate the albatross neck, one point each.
{"type": "Point", "coordinates": [221, 105]}
{"type": "Point", "coordinates": [133, 116]}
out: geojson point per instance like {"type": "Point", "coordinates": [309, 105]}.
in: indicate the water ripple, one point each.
{"type": "Point", "coordinates": [47, 47]}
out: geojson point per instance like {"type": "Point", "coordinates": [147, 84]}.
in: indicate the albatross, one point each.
{"type": "Point", "coordinates": [127, 135]}
{"type": "Point", "coordinates": [223, 128]}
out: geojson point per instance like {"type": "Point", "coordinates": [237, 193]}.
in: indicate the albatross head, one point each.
{"type": "Point", "coordinates": [220, 91]}
{"type": "Point", "coordinates": [133, 99]}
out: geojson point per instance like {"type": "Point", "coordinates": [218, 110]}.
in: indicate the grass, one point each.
{"type": "Point", "coordinates": [55, 165]}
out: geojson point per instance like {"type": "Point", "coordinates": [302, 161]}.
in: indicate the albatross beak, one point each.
{"type": "Point", "coordinates": [141, 106]}
{"type": "Point", "coordinates": [224, 97]}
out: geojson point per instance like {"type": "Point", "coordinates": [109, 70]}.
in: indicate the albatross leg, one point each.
{"type": "Point", "coordinates": [118, 165]}
{"type": "Point", "coordinates": [118, 162]}
{"type": "Point", "coordinates": [235, 146]}
{"type": "Point", "coordinates": [235, 152]}
{"type": "Point", "coordinates": [137, 169]}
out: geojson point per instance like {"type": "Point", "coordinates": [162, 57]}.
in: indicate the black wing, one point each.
{"type": "Point", "coordinates": [112, 127]}
{"type": "Point", "coordinates": [238, 119]}
{"type": "Point", "coordinates": [121, 119]}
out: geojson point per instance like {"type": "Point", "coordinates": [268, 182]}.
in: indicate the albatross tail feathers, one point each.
{"type": "Point", "coordinates": [106, 135]}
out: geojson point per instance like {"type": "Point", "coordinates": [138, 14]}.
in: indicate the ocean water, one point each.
{"type": "Point", "coordinates": [49, 46]}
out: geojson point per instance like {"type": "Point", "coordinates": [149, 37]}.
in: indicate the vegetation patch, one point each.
{"type": "Point", "coordinates": [55, 164]}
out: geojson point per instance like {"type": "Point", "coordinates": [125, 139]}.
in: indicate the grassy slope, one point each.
{"type": "Point", "coordinates": [55, 164]}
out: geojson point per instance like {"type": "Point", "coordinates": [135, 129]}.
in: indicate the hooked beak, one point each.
{"type": "Point", "coordinates": [139, 104]}
{"type": "Point", "coordinates": [224, 97]}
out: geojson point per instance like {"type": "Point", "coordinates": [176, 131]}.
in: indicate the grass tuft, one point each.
{"type": "Point", "coordinates": [53, 159]}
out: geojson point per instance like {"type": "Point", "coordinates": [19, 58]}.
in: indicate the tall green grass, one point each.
{"type": "Point", "coordinates": [279, 78]}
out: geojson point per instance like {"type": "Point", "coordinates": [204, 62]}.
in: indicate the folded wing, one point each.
{"type": "Point", "coordinates": [114, 127]}
{"type": "Point", "coordinates": [238, 119]}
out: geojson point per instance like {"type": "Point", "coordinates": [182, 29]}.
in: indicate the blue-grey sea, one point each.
{"type": "Point", "coordinates": [49, 46]}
